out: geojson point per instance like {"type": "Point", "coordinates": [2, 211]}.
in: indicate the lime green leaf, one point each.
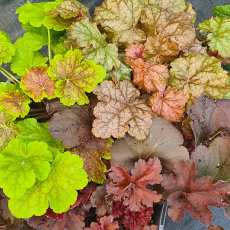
{"type": "Point", "coordinates": [60, 48]}
{"type": "Point", "coordinates": [25, 58]}
{"type": "Point", "coordinates": [95, 46]}
{"type": "Point", "coordinates": [50, 5]}
{"type": "Point", "coordinates": [218, 34]}
{"type": "Point", "coordinates": [74, 77]}
{"type": "Point", "coordinates": [21, 164]}
{"type": "Point", "coordinates": [58, 190]}
{"type": "Point", "coordinates": [37, 84]}
{"type": "Point", "coordinates": [4, 87]}
{"type": "Point", "coordinates": [123, 73]}
{"type": "Point", "coordinates": [31, 12]}
{"type": "Point", "coordinates": [14, 103]}
{"type": "Point", "coordinates": [222, 11]}
{"type": "Point", "coordinates": [7, 50]}
{"type": "Point", "coordinates": [31, 130]}
{"type": "Point", "coordinates": [196, 75]}
{"type": "Point", "coordinates": [92, 154]}
{"type": "Point", "coordinates": [38, 37]}
{"type": "Point", "coordinates": [8, 130]}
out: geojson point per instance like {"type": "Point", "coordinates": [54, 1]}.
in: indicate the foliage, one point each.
{"type": "Point", "coordinates": [128, 108]}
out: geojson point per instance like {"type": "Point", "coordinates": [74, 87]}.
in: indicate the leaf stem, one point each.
{"type": "Point", "coordinates": [36, 114]}
{"type": "Point", "coordinates": [41, 117]}
{"type": "Point", "coordinates": [6, 74]}
{"type": "Point", "coordinates": [49, 46]}
{"type": "Point", "coordinates": [37, 110]}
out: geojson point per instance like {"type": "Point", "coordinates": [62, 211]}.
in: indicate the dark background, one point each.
{"type": "Point", "coordinates": [9, 23]}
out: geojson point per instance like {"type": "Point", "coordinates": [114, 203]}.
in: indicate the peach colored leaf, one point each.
{"type": "Point", "coordinates": [8, 130]}
{"type": "Point", "coordinates": [215, 160]}
{"type": "Point", "coordinates": [164, 141]}
{"type": "Point", "coordinates": [196, 75]}
{"type": "Point", "coordinates": [175, 27]}
{"type": "Point", "coordinates": [133, 52]}
{"type": "Point", "coordinates": [14, 103]}
{"type": "Point", "coordinates": [37, 84]}
{"type": "Point", "coordinates": [160, 49]}
{"type": "Point", "coordinates": [148, 76]}
{"type": "Point", "coordinates": [119, 18]}
{"type": "Point", "coordinates": [74, 77]}
{"type": "Point", "coordinates": [92, 153]}
{"type": "Point", "coordinates": [209, 118]}
{"type": "Point", "coordinates": [193, 196]}
{"type": "Point", "coordinates": [132, 188]}
{"type": "Point", "coordinates": [189, 9]}
{"type": "Point", "coordinates": [120, 111]}
{"type": "Point", "coordinates": [168, 104]}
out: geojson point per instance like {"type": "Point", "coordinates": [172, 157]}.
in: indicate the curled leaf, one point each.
{"type": "Point", "coordinates": [74, 77]}
{"type": "Point", "coordinates": [37, 84]}
{"type": "Point", "coordinates": [133, 52]}
{"type": "Point", "coordinates": [120, 111]}
{"type": "Point", "coordinates": [168, 104]}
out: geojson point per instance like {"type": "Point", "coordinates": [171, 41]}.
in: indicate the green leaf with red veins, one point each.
{"type": "Point", "coordinates": [92, 154]}
{"type": "Point", "coordinates": [15, 103]}
{"type": "Point", "coordinates": [7, 50]}
{"type": "Point", "coordinates": [37, 84]}
{"type": "Point", "coordinates": [218, 30]}
{"type": "Point", "coordinates": [196, 75]}
{"type": "Point", "coordinates": [215, 160]}
{"type": "Point", "coordinates": [148, 76]}
{"type": "Point", "coordinates": [74, 77]}
{"type": "Point", "coordinates": [168, 104]}
{"type": "Point", "coordinates": [69, 9]}
{"type": "Point", "coordinates": [119, 19]}
{"type": "Point", "coordinates": [164, 141]}
{"type": "Point", "coordinates": [8, 130]}
{"type": "Point", "coordinates": [175, 27]}
{"type": "Point", "coordinates": [173, 6]}
{"type": "Point", "coordinates": [120, 111]}
{"type": "Point", "coordinates": [95, 47]}
{"type": "Point", "coordinates": [132, 188]}
{"type": "Point", "coordinates": [193, 196]}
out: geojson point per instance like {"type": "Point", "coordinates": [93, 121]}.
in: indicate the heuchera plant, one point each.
{"type": "Point", "coordinates": [128, 109]}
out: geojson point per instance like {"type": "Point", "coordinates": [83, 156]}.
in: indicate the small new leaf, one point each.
{"type": "Point", "coordinates": [74, 77]}
{"type": "Point", "coordinates": [21, 164]}
{"type": "Point", "coordinates": [120, 111]}
{"type": "Point", "coordinates": [58, 190]}
{"type": "Point", "coordinates": [37, 84]}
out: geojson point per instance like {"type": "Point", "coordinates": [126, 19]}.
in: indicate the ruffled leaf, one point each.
{"type": "Point", "coordinates": [37, 84]}
{"type": "Point", "coordinates": [21, 164]}
{"type": "Point", "coordinates": [105, 223]}
{"type": "Point", "coordinates": [120, 111]}
{"type": "Point", "coordinates": [119, 19]}
{"type": "Point", "coordinates": [15, 103]}
{"type": "Point", "coordinates": [7, 50]}
{"type": "Point", "coordinates": [196, 75]}
{"type": "Point", "coordinates": [74, 77]}
{"type": "Point", "coordinates": [133, 52]}
{"type": "Point", "coordinates": [94, 44]}
{"type": "Point", "coordinates": [168, 104]}
{"type": "Point", "coordinates": [132, 188]}
{"type": "Point", "coordinates": [58, 190]}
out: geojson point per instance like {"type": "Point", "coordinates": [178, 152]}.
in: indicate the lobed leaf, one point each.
{"type": "Point", "coordinates": [74, 77]}
{"type": "Point", "coordinates": [7, 50]}
{"type": "Point", "coordinates": [133, 52]}
{"type": "Point", "coordinates": [25, 58]}
{"type": "Point", "coordinates": [14, 103]}
{"type": "Point", "coordinates": [193, 196]}
{"type": "Point", "coordinates": [94, 44]}
{"type": "Point", "coordinates": [218, 32]}
{"type": "Point", "coordinates": [105, 223]}
{"type": "Point", "coordinates": [37, 84]}
{"type": "Point", "coordinates": [222, 11]}
{"type": "Point", "coordinates": [168, 104]}
{"type": "Point", "coordinates": [119, 19]}
{"type": "Point", "coordinates": [120, 111]}
{"type": "Point", "coordinates": [8, 87]}
{"type": "Point", "coordinates": [132, 188]}
{"type": "Point", "coordinates": [58, 23]}
{"type": "Point", "coordinates": [164, 141]}
{"type": "Point", "coordinates": [148, 76]}
{"type": "Point", "coordinates": [21, 164]}
{"type": "Point", "coordinates": [196, 75]}
{"type": "Point", "coordinates": [58, 190]}
{"type": "Point", "coordinates": [8, 130]}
